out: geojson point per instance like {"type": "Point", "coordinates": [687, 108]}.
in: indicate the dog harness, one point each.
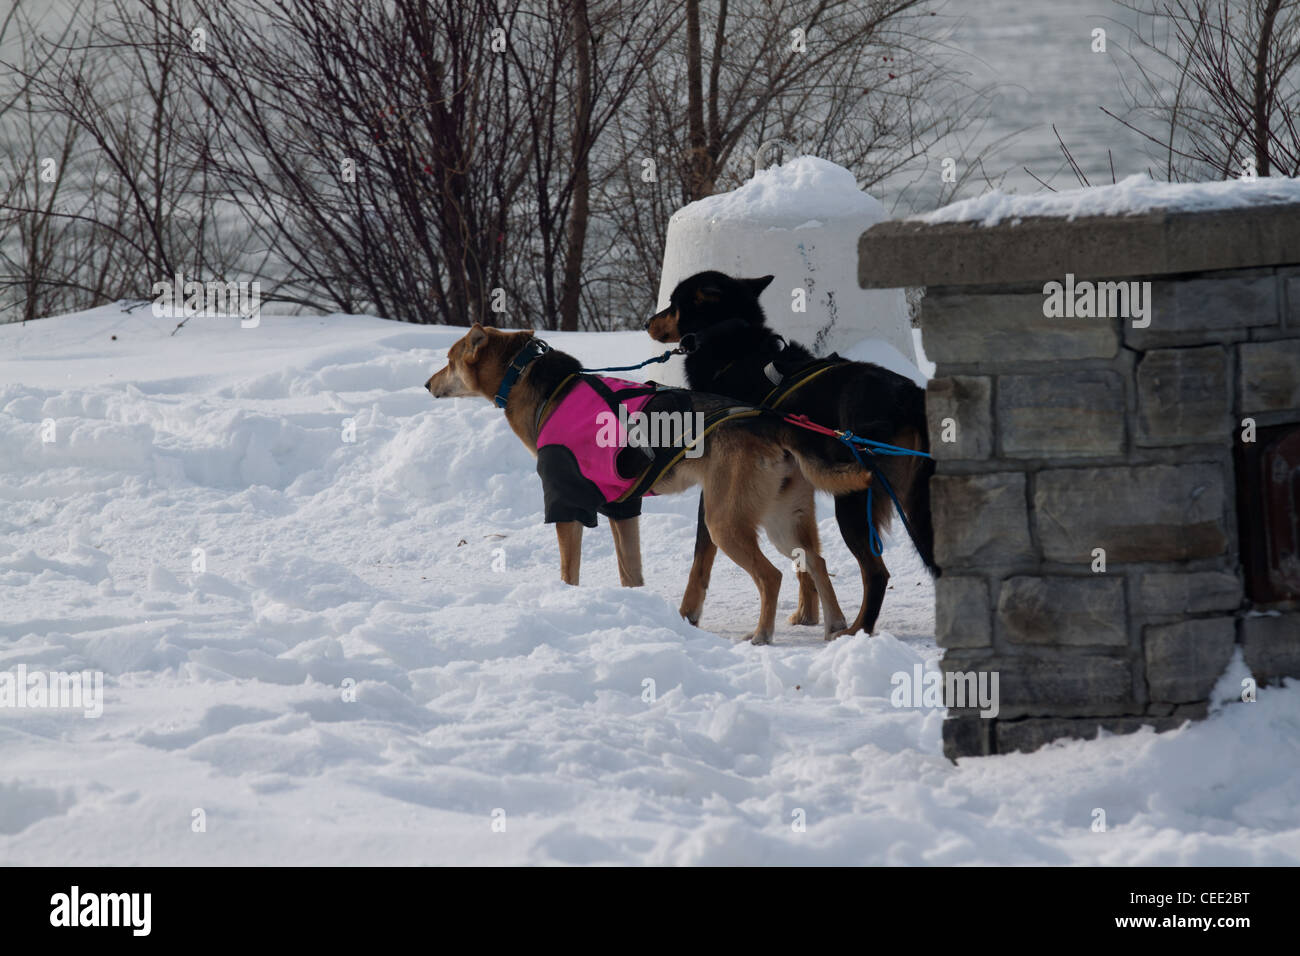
{"type": "Point", "coordinates": [786, 385]}
{"type": "Point", "coordinates": [584, 460]}
{"type": "Point", "coordinates": [581, 478]}
{"type": "Point", "coordinates": [587, 423]}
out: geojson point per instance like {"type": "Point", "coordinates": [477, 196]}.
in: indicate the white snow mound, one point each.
{"type": "Point", "coordinates": [803, 191]}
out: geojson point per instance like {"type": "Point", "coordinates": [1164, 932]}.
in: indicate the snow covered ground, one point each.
{"type": "Point", "coordinates": [413, 561]}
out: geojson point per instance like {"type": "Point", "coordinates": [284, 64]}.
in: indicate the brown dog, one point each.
{"type": "Point", "coordinates": [731, 351]}
{"type": "Point", "coordinates": [758, 470]}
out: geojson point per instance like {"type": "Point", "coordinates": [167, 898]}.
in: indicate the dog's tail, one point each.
{"type": "Point", "coordinates": [836, 478]}
{"type": "Point", "coordinates": [833, 478]}
{"type": "Point", "coordinates": [824, 462]}
{"type": "Point", "coordinates": [917, 501]}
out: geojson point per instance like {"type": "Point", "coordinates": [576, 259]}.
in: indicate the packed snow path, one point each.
{"type": "Point", "coordinates": [202, 532]}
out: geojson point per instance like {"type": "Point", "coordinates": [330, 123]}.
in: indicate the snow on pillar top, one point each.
{"type": "Point", "coordinates": [800, 222]}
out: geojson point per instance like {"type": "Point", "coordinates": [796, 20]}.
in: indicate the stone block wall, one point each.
{"type": "Point", "coordinates": [1085, 500]}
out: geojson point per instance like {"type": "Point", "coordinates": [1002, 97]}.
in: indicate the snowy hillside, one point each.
{"type": "Point", "coordinates": [202, 530]}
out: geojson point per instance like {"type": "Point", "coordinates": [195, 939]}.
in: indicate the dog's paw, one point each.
{"type": "Point", "coordinates": [691, 615]}
{"type": "Point", "coordinates": [840, 630]}
{"type": "Point", "coordinates": [760, 637]}
{"type": "Point", "coordinates": [806, 616]}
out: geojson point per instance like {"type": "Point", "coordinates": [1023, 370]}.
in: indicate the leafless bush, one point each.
{"type": "Point", "coordinates": [503, 161]}
{"type": "Point", "coordinates": [106, 195]}
{"type": "Point", "coordinates": [864, 83]}
{"type": "Point", "coordinates": [1222, 95]}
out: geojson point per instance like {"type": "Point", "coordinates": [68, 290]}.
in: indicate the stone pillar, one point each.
{"type": "Point", "coordinates": [1086, 495]}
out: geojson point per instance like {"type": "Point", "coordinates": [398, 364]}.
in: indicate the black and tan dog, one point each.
{"type": "Point", "coordinates": [730, 351]}
{"type": "Point", "coordinates": [755, 470]}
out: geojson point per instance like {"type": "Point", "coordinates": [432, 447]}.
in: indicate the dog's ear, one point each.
{"type": "Point", "coordinates": [707, 293]}
{"type": "Point", "coordinates": [476, 339]}
{"type": "Point", "coordinates": [756, 286]}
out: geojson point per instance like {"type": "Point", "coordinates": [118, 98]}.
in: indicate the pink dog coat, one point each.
{"type": "Point", "coordinates": [586, 425]}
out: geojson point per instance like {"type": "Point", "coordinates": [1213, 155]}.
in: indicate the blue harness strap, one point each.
{"type": "Point", "coordinates": [871, 447]}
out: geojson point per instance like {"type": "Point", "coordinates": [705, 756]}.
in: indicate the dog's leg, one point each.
{"type": "Point", "coordinates": [874, 596]}
{"type": "Point", "coordinates": [854, 521]}
{"type": "Point", "coordinates": [701, 567]}
{"type": "Point", "coordinates": [627, 545]}
{"type": "Point", "coordinates": [741, 545]}
{"type": "Point", "coordinates": [569, 534]}
{"type": "Point", "coordinates": [792, 527]}
{"type": "Point", "coordinates": [807, 610]}
{"type": "Point", "coordinates": [733, 525]}
{"type": "Point", "coordinates": [782, 522]}
{"type": "Point", "coordinates": [806, 536]}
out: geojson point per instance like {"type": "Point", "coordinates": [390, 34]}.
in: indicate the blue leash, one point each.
{"type": "Point", "coordinates": [632, 368]}
{"type": "Point", "coordinates": [871, 447]}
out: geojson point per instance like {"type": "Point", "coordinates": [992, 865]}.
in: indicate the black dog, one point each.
{"type": "Point", "coordinates": [730, 351]}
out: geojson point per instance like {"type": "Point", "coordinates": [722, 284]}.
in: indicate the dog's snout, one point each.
{"type": "Point", "coordinates": [663, 325]}
{"type": "Point", "coordinates": [443, 384]}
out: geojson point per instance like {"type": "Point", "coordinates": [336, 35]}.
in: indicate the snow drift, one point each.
{"type": "Point", "coordinates": [331, 629]}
